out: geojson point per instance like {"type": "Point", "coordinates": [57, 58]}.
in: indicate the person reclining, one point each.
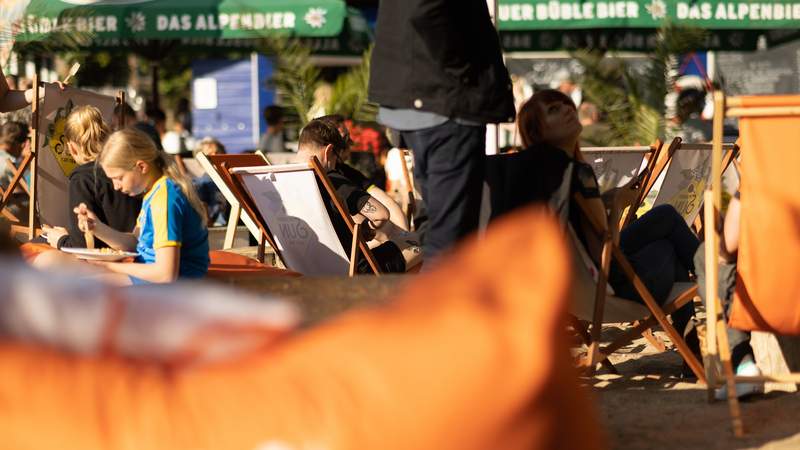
{"type": "Point", "coordinates": [400, 251]}
{"type": "Point", "coordinates": [659, 245]}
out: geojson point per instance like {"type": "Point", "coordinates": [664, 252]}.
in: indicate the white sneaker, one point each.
{"type": "Point", "coordinates": [743, 390]}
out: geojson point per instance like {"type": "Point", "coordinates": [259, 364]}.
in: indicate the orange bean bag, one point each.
{"type": "Point", "coordinates": [470, 356]}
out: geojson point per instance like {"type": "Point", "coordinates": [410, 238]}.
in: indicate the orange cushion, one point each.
{"type": "Point", "coordinates": [468, 357]}
{"type": "Point", "coordinates": [30, 250]}
{"type": "Point", "coordinates": [767, 284]}
{"type": "Point", "coordinates": [226, 264]}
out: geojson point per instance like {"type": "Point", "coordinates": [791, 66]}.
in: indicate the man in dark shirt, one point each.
{"type": "Point", "coordinates": [321, 139]}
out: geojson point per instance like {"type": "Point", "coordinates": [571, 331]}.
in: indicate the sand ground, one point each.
{"type": "Point", "coordinates": [648, 406]}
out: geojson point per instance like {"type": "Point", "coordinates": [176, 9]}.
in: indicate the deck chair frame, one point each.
{"type": "Point", "coordinates": [31, 161]}
{"type": "Point", "coordinates": [651, 154]}
{"type": "Point", "coordinates": [663, 166]}
{"type": "Point", "coordinates": [358, 243]}
{"type": "Point", "coordinates": [213, 165]}
{"type": "Point", "coordinates": [658, 315]}
{"type": "Point", "coordinates": [411, 207]}
{"type": "Point", "coordinates": [717, 345]}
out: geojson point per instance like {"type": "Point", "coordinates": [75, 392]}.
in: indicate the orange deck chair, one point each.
{"type": "Point", "coordinates": [767, 285]}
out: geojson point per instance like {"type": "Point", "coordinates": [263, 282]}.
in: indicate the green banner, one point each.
{"type": "Point", "coordinates": [618, 39]}
{"type": "Point", "coordinates": [527, 15]}
{"type": "Point", "coordinates": [184, 19]}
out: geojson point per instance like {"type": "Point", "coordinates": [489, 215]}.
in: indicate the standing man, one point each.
{"type": "Point", "coordinates": [438, 74]}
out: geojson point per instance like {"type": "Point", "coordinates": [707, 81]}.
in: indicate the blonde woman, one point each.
{"type": "Point", "coordinates": [170, 237]}
{"type": "Point", "coordinates": [84, 135]}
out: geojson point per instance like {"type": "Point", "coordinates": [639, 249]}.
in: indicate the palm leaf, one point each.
{"type": "Point", "coordinates": [633, 102]}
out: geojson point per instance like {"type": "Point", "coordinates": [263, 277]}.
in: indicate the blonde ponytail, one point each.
{"type": "Point", "coordinates": [85, 128]}
{"type": "Point", "coordinates": [124, 147]}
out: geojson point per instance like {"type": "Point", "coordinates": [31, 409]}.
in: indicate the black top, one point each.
{"type": "Point", "coordinates": [353, 197]}
{"type": "Point", "coordinates": [534, 175]}
{"type": "Point", "coordinates": [90, 185]}
{"type": "Point", "coordinates": [354, 175]}
{"type": "Point", "coordinates": [440, 56]}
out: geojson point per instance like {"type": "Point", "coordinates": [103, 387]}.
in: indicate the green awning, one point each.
{"type": "Point", "coordinates": [631, 24]}
{"type": "Point", "coordinates": [184, 19]}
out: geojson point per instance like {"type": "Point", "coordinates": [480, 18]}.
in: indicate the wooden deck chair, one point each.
{"type": "Point", "coordinates": [410, 200]}
{"type": "Point", "coordinates": [17, 182]}
{"type": "Point", "coordinates": [687, 169]}
{"type": "Point", "coordinates": [767, 286]}
{"type": "Point", "coordinates": [213, 166]}
{"type": "Point", "coordinates": [288, 205]}
{"type": "Point", "coordinates": [616, 166]}
{"type": "Point", "coordinates": [599, 304]}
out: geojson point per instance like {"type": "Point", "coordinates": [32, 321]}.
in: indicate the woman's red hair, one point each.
{"type": "Point", "coordinates": [529, 118]}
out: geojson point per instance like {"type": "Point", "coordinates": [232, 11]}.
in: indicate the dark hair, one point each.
{"type": "Point", "coordinates": [690, 101]}
{"type": "Point", "coordinates": [320, 133]}
{"type": "Point", "coordinates": [338, 121]}
{"type": "Point", "coordinates": [273, 114]}
{"type": "Point", "coordinates": [156, 114]}
{"type": "Point", "coordinates": [529, 121]}
{"type": "Point", "coordinates": [12, 133]}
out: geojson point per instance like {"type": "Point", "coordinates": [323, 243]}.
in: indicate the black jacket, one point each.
{"type": "Point", "coordinates": [440, 56]}
{"type": "Point", "coordinates": [115, 209]}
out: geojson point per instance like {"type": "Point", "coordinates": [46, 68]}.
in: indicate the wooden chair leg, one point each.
{"type": "Point", "coordinates": [730, 381]}
{"type": "Point", "coordinates": [654, 340]}
{"type": "Point", "coordinates": [233, 221]}
{"type": "Point", "coordinates": [354, 249]}
{"type": "Point", "coordinates": [582, 331]}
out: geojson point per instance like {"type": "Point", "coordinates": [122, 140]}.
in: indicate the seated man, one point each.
{"type": "Point", "coordinates": [397, 218]}
{"type": "Point", "coordinates": [13, 137]}
{"type": "Point", "coordinates": [396, 253]}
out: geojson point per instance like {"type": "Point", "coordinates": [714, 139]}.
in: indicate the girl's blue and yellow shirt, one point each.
{"type": "Point", "coordinates": [167, 219]}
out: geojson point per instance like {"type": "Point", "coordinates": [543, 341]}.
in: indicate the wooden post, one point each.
{"type": "Point", "coordinates": [32, 217]}
{"type": "Point", "coordinates": [121, 102]}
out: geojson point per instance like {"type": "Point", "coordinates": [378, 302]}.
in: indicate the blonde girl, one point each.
{"type": "Point", "coordinates": [84, 136]}
{"type": "Point", "coordinates": [170, 238]}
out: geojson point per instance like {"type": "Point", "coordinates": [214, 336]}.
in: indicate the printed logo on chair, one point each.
{"type": "Point", "coordinates": [56, 141]}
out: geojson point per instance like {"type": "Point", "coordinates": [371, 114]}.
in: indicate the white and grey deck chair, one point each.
{"type": "Point", "coordinates": [687, 173]}
{"type": "Point", "coordinates": [595, 301]}
{"type": "Point", "coordinates": [616, 166]}
{"type": "Point", "coordinates": [288, 203]}
{"type": "Point", "coordinates": [215, 166]}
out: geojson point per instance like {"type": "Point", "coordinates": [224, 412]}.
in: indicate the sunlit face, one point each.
{"type": "Point", "coordinates": [559, 122]}
{"type": "Point", "coordinates": [131, 182]}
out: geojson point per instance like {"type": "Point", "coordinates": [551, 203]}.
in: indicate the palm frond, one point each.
{"type": "Point", "coordinates": [349, 97]}
{"type": "Point", "coordinates": [295, 76]}
{"type": "Point", "coordinates": [633, 101]}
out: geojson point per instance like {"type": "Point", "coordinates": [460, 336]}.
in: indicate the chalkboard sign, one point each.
{"type": "Point", "coordinates": [773, 71]}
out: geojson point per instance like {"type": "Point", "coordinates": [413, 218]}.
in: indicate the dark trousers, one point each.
{"type": "Point", "coordinates": [738, 340]}
{"type": "Point", "coordinates": [660, 247]}
{"type": "Point", "coordinates": [449, 164]}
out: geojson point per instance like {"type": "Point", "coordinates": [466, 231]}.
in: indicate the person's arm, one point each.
{"type": "Point", "coordinates": [164, 270]}
{"type": "Point", "coordinates": [375, 214]}
{"type": "Point", "coordinates": [729, 244]}
{"type": "Point", "coordinates": [12, 100]}
{"type": "Point", "coordinates": [88, 221]}
{"type": "Point", "coordinates": [396, 215]}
